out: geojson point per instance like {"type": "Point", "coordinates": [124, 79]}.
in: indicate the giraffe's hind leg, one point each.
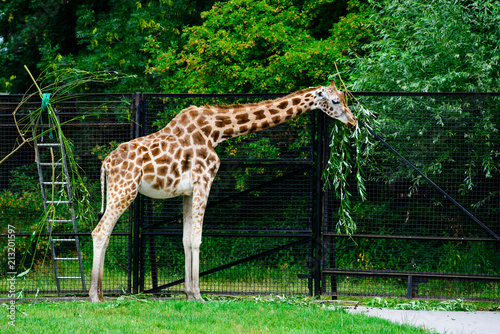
{"type": "Point", "coordinates": [100, 236]}
{"type": "Point", "coordinates": [100, 242]}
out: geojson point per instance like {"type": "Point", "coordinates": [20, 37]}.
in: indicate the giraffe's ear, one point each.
{"type": "Point", "coordinates": [332, 83]}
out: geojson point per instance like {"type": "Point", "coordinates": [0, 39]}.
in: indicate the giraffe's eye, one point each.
{"type": "Point", "coordinates": [335, 101]}
{"type": "Point", "coordinates": [320, 93]}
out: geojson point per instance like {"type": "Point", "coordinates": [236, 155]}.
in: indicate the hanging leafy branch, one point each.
{"type": "Point", "coordinates": [350, 151]}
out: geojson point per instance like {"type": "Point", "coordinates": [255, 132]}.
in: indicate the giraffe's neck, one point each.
{"type": "Point", "coordinates": [236, 120]}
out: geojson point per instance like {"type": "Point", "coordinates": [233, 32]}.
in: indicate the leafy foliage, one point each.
{"type": "Point", "coordinates": [423, 305]}
{"type": "Point", "coordinates": [435, 46]}
{"type": "Point", "coordinates": [26, 28]}
{"type": "Point", "coordinates": [252, 46]}
{"type": "Point", "coordinates": [349, 153]}
{"type": "Point", "coordinates": [89, 35]}
{"type": "Point", "coordinates": [432, 46]}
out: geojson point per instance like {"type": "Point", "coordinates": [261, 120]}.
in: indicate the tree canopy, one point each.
{"type": "Point", "coordinates": [432, 46]}
{"type": "Point", "coordinates": [280, 46]}
{"type": "Point", "coordinates": [251, 46]}
{"type": "Point", "coordinates": [254, 46]}
{"type": "Point", "coordinates": [198, 46]}
{"type": "Point", "coordinates": [91, 35]}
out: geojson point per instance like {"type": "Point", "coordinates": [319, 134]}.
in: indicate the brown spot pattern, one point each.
{"type": "Point", "coordinates": [228, 133]}
{"type": "Point", "coordinates": [149, 168]}
{"type": "Point", "coordinates": [174, 169]}
{"type": "Point", "coordinates": [283, 105]}
{"type": "Point", "coordinates": [215, 135]}
{"type": "Point", "coordinates": [201, 121]}
{"type": "Point", "coordinates": [259, 114]}
{"type": "Point", "coordinates": [160, 182]}
{"type": "Point", "coordinates": [206, 130]}
{"type": "Point", "coordinates": [242, 118]}
{"type": "Point", "coordinates": [172, 148]}
{"type": "Point", "coordinates": [202, 153]}
{"type": "Point", "coordinates": [186, 160]}
{"type": "Point", "coordinates": [253, 128]}
{"type": "Point", "coordinates": [222, 120]}
{"type": "Point", "coordinates": [198, 138]}
{"type": "Point", "coordinates": [162, 170]}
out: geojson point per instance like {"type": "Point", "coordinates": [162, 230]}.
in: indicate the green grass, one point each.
{"type": "Point", "coordinates": [129, 315]}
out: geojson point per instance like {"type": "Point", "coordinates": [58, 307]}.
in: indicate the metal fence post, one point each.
{"type": "Point", "coordinates": [135, 214]}
{"type": "Point", "coordinates": [318, 204]}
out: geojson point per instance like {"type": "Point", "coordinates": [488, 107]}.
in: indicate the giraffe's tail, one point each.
{"type": "Point", "coordinates": [104, 179]}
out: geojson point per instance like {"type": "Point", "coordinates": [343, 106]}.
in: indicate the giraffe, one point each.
{"type": "Point", "coordinates": [180, 160]}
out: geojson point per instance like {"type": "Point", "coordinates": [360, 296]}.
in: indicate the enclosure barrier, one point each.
{"type": "Point", "coordinates": [270, 227]}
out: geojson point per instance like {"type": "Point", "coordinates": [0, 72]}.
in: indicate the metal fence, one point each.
{"type": "Point", "coordinates": [411, 241]}
{"type": "Point", "coordinates": [269, 226]}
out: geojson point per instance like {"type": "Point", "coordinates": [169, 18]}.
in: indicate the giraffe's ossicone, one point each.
{"type": "Point", "coordinates": [180, 159]}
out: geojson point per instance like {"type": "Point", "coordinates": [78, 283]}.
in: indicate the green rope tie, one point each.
{"type": "Point", "coordinates": [45, 103]}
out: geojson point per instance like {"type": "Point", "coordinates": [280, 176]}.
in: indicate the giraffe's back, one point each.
{"type": "Point", "coordinates": [162, 165]}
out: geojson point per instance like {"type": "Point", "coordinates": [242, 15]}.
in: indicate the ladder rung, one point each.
{"type": "Point", "coordinates": [66, 258]}
{"type": "Point", "coordinates": [58, 202]}
{"type": "Point", "coordinates": [50, 164]}
{"type": "Point", "coordinates": [69, 277]}
{"type": "Point", "coordinates": [54, 183]}
{"type": "Point", "coordinates": [59, 221]}
{"type": "Point", "coordinates": [48, 144]}
{"type": "Point", "coordinates": [56, 240]}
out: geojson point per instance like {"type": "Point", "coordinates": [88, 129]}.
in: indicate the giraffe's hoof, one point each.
{"type": "Point", "coordinates": [195, 298]}
{"type": "Point", "coordinates": [95, 296]}
{"type": "Point", "coordinates": [94, 299]}
{"type": "Point", "coordinates": [198, 298]}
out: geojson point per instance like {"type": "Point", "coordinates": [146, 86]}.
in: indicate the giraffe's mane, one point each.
{"type": "Point", "coordinates": [237, 106]}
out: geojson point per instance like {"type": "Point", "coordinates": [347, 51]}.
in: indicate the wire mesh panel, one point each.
{"type": "Point", "coordinates": [258, 220]}
{"type": "Point", "coordinates": [94, 125]}
{"type": "Point", "coordinates": [411, 240]}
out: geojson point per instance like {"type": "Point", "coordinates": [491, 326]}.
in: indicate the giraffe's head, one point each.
{"type": "Point", "coordinates": [331, 101]}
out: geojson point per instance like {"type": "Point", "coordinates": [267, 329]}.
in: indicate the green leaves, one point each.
{"type": "Point", "coordinates": [432, 46]}
{"type": "Point", "coordinates": [250, 46]}
{"type": "Point", "coordinates": [349, 153]}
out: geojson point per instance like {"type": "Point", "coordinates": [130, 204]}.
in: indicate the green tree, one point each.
{"type": "Point", "coordinates": [256, 46]}
{"type": "Point", "coordinates": [25, 28]}
{"type": "Point", "coordinates": [91, 35]}
{"type": "Point", "coordinates": [432, 46]}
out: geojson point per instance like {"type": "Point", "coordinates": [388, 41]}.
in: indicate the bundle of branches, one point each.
{"type": "Point", "coordinates": [61, 84]}
{"type": "Point", "coordinates": [350, 151]}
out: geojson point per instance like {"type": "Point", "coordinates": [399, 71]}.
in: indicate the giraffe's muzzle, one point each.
{"type": "Point", "coordinates": [352, 125]}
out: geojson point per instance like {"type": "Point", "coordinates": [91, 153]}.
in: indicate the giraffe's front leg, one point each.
{"type": "Point", "coordinates": [186, 240]}
{"type": "Point", "coordinates": [196, 243]}
{"type": "Point", "coordinates": [194, 211]}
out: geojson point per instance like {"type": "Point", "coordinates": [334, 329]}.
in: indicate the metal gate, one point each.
{"type": "Point", "coordinates": [258, 227]}
{"type": "Point", "coordinates": [411, 240]}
